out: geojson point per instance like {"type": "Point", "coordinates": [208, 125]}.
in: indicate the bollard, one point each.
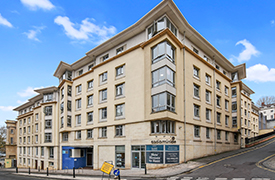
{"type": "Point", "coordinates": [29, 170]}
{"type": "Point", "coordinates": [16, 169]}
{"type": "Point", "coordinates": [145, 169]}
{"type": "Point", "coordinates": [74, 172]}
{"type": "Point", "coordinates": [47, 171]}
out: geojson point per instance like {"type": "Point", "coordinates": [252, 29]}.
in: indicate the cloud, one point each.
{"type": "Point", "coordinates": [28, 92]}
{"type": "Point", "coordinates": [7, 108]}
{"type": "Point", "coordinates": [31, 34]}
{"type": "Point", "coordinates": [87, 31]}
{"type": "Point", "coordinates": [247, 53]}
{"type": "Point", "coordinates": [260, 73]}
{"type": "Point", "coordinates": [5, 22]}
{"type": "Point", "coordinates": [36, 4]}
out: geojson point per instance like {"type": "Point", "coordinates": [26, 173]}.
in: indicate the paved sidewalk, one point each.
{"type": "Point", "coordinates": [125, 174]}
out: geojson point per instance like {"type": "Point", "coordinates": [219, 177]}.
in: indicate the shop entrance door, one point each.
{"type": "Point", "coordinates": [89, 157]}
{"type": "Point", "coordinates": [138, 157]}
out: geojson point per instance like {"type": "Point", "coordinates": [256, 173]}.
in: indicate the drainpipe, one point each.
{"type": "Point", "coordinates": [215, 125]}
{"type": "Point", "coordinates": [184, 97]}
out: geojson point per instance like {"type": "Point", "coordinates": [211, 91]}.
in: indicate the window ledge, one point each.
{"type": "Point", "coordinates": [77, 139]}
{"type": "Point", "coordinates": [197, 118]}
{"type": "Point", "coordinates": [209, 141]}
{"type": "Point", "coordinates": [120, 96]}
{"type": "Point", "coordinates": [102, 138]}
{"type": "Point", "coordinates": [102, 83]}
{"type": "Point", "coordinates": [227, 142]}
{"type": "Point", "coordinates": [102, 120]}
{"type": "Point", "coordinates": [120, 76]}
{"type": "Point", "coordinates": [162, 134]}
{"type": "Point", "coordinates": [89, 138]}
{"type": "Point", "coordinates": [196, 77]}
{"type": "Point", "coordinates": [209, 103]}
{"type": "Point", "coordinates": [101, 102]}
{"type": "Point", "coordinates": [208, 121]}
{"type": "Point", "coordinates": [90, 89]}
{"type": "Point", "coordinates": [219, 142]}
{"type": "Point", "coordinates": [197, 98]}
{"type": "Point", "coordinates": [219, 124]}
{"type": "Point", "coordinates": [120, 118]}
{"type": "Point", "coordinates": [197, 140]}
{"type": "Point", "coordinates": [90, 123]}
{"type": "Point", "coordinates": [120, 136]}
{"type": "Point", "coordinates": [90, 106]}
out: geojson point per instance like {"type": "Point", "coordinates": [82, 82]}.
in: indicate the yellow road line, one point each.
{"type": "Point", "coordinates": [235, 156]}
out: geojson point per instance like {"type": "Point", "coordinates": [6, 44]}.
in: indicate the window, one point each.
{"type": "Point", "coordinates": [163, 101]}
{"type": "Point", "coordinates": [90, 117]}
{"type": "Point", "coordinates": [36, 117]}
{"type": "Point", "coordinates": [207, 79]}
{"type": "Point", "coordinates": [62, 122]}
{"type": "Point", "coordinates": [103, 95]}
{"type": "Point", "coordinates": [196, 111]}
{"type": "Point", "coordinates": [62, 93]}
{"type": "Point", "coordinates": [226, 120]}
{"type": "Point", "coordinates": [90, 67]}
{"type": "Point", "coordinates": [80, 72]}
{"type": "Point", "coordinates": [48, 137]}
{"type": "Point", "coordinates": [78, 134]}
{"type": "Point", "coordinates": [103, 77]}
{"type": "Point", "coordinates": [163, 127]}
{"type": "Point", "coordinates": [90, 84]}
{"type": "Point", "coordinates": [48, 97]}
{"type": "Point", "coordinates": [207, 96]}
{"type": "Point", "coordinates": [105, 57]}
{"type": "Point", "coordinates": [36, 138]}
{"type": "Point", "coordinates": [62, 107]}
{"type": "Point", "coordinates": [119, 71]}
{"type": "Point", "coordinates": [65, 136]}
{"type": "Point", "coordinates": [69, 120]}
{"type": "Point", "coordinates": [196, 72]}
{"type": "Point", "coordinates": [36, 127]}
{"type": "Point", "coordinates": [197, 131]}
{"type": "Point", "coordinates": [196, 50]}
{"type": "Point", "coordinates": [217, 67]}
{"type": "Point", "coordinates": [11, 140]}
{"type": "Point", "coordinates": [69, 105]}
{"type": "Point", "coordinates": [48, 124]}
{"type": "Point", "coordinates": [163, 49]}
{"type": "Point", "coordinates": [159, 25]}
{"type": "Point", "coordinates": [219, 101]}
{"type": "Point", "coordinates": [224, 72]}
{"type": "Point", "coordinates": [119, 89]}
{"type": "Point", "coordinates": [196, 91]}
{"type": "Point", "coordinates": [234, 121]}
{"type": "Point", "coordinates": [226, 104]}
{"type": "Point", "coordinates": [78, 89]}
{"type": "Point", "coordinates": [78, 104]}
{"type": "Point", "coordinates": [208, 115]}
{"type": "Point", "coordinates": [103, 132]}
{"type": "Point", "coordinates": [226, 90]}
{"type": "Point", "coordinates": [90, 100]}
{"type": "Point", "coordinates": [29, 120]}
{"type": "Point", "coordinates": [103, 113]}
{"type": "Point", "coordinates": [218, 118]}
{"type": "Point", "coordinates": [163, 75]}
{"type": "Point", "coordinates": [234, 91]}
{"type": "Point", "coordinates": [89, 133]}
{"type": "Point", "coordinates": [206, 58]}
{"type": "Point", "coordinates": [12, 131]}
{"type": "Point", "coordinates": [119, 50]}
{"type": "Point", "coordinates": [234, 106]}
{"type": "Point", "coordinates": [78, 119]}
{"type": "Point", "coordinates": [42, 151]}
{"type": "Point", "coordinates": [219, 134]}
{"type": "Point", "coordinates": [218, 85]}
{"type": "Point", "coordinates": [69, 90]}
{"type": "Point", "coordinates": [120, 130]}
{"type": "Point", "coordinates": [29, 139]}
{"type": "Point", "coordinates": [47, 111]}
{"type": "Point", "coordinates": [234, 76]}
{"type": "Point", "coordinates": [120, 156]}
{"type": "Point", "coordinates": [51, 153]}
{"type": "Point", "coordinates": [24, 130]}
{"type": "Point", "coordinates": [119, 110]}
{"type": "Point", "coordinates": [226, 135]}
{"type": "Point", "coordinates": [208, 133]}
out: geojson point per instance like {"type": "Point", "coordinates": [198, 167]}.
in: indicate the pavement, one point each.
{"type": "Point", "coordinates": [164, 173]}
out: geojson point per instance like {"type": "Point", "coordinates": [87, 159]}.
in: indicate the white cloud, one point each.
{"type": "Point", "coordinates": [246, 54]}
{"type": "Point", "coordinates": [5, 22]}
{"type": "Point", "coordinates": [7, 108]}
{"type": "Point", "coordinates": [260, 73]}
{"type": "Point", "coordinates": [31, 34]}
{"type": "Point", "coordinates": [272, 22]}
{"type": "Point", "coordinates": [28, 92]}
{"type": "Point", "coordinates": [87, 30]}
{"type": "Point", "coordinates": [36, 4]}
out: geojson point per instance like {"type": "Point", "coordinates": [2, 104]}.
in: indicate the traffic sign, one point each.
{"type": "Point", "coordinates": [106, 167]}
{"type": "Point", "coordinates": [116, 172]}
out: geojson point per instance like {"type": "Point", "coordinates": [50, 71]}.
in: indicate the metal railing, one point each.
{"type": "Point", "coordinates": [257, 138]}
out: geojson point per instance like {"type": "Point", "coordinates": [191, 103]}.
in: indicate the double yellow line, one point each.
{"type": "Point", "coordinates": [257, 164]}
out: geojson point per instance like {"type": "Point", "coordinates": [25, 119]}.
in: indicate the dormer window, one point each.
{"type": "Point", "coordinates": [105, 57]}
{"type": "Point", "coordinates": [48, 97]}
{"type": "Point", "coordinates": [159, 26]}
{"type": "Point", "coordinates": [118, 51]}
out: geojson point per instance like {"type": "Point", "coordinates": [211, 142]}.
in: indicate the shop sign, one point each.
{"type": "Point", "coordinates": [171, 157]}
{"type": "Point", "coordinates": [160, 141]}
{"type": "Point", "coordinates": [154, 157]}
{"type": "Point", "coordinates": [162, 154]}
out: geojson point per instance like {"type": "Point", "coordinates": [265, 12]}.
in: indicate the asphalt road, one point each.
{"type": "Point", "coordinates": [8, 175]}
{"type": "Point", "coordinates": [244, 164]}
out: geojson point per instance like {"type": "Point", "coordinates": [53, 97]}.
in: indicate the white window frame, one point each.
{"type": "Point", "coordinates": [119, 130]}
{"type": "Point", "coordinates": [90, 133]}
{"type": "Point", "coordinates": [78, 120]}
{"type": "Point", "coordinates": [90, 114]}
{"type": "Point", "coordinates": [197, 131]}
{"type": "Point", "coordinates": [208, 113]}
{"type": "Point", "coordinates": [103, 114]}
{"type": "Point", "coordinates": [78, 104]}
{"type": "Point", "coordinates": [90, 100]}
{"type": "Point", "coordinates": [120, 110]}
{"type": "Point", "coordinates": [120, 90]}
{"type": "Point", "coordinates": [120, 71]}
{"type": "Point", "coordinates": [196, 111]}
{"type": "Point", "coordinates": [196, 91]}
{"type": "Point", "coordinates": [103, 132]}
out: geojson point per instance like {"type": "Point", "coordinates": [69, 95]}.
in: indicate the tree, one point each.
{"type": "Point", "coordinates": [265, 100]}
{"type": "Point", "coordinates": [3, 136]}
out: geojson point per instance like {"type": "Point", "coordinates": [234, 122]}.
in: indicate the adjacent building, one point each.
{"type": "Point", "coordinates": [156, 93]}
{"type": "Point", "coordinates": [11, 141]}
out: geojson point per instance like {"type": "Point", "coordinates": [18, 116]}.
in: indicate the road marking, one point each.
{"type": "Point", "coordinates": [258, 164]}
{"type": "Point", "coordinates": [221, 179]}
{"type": "Point", "coordinates": [260, 179]}
{"type": "Point", "coordinates": [238, 179]}
{"type": "Point", "coordinates": [232, 157]}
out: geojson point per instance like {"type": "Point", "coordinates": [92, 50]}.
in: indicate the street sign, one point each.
{"type": "Point", "coordinates": [116, 172]}
{"type": "Point", "coordinates": [106, 167]}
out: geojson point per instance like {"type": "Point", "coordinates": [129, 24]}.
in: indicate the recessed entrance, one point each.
{"type": "Point", "coordinates": [138, 156]}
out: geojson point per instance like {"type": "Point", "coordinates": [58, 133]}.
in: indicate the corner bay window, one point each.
{"type": "Point", "coordinates": [163, 127]}
{"type": "Point", "coordinates": [163, 49]}
{"type": "Point", "coordinates": [163, 75]}
{"type": "Point", "coordinates": [163, 101]}
{"type": "Point", "coordinates": [159, 25]}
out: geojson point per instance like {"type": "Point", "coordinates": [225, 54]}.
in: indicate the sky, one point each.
{"type": "Point", "coordinates": [35, 35]}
